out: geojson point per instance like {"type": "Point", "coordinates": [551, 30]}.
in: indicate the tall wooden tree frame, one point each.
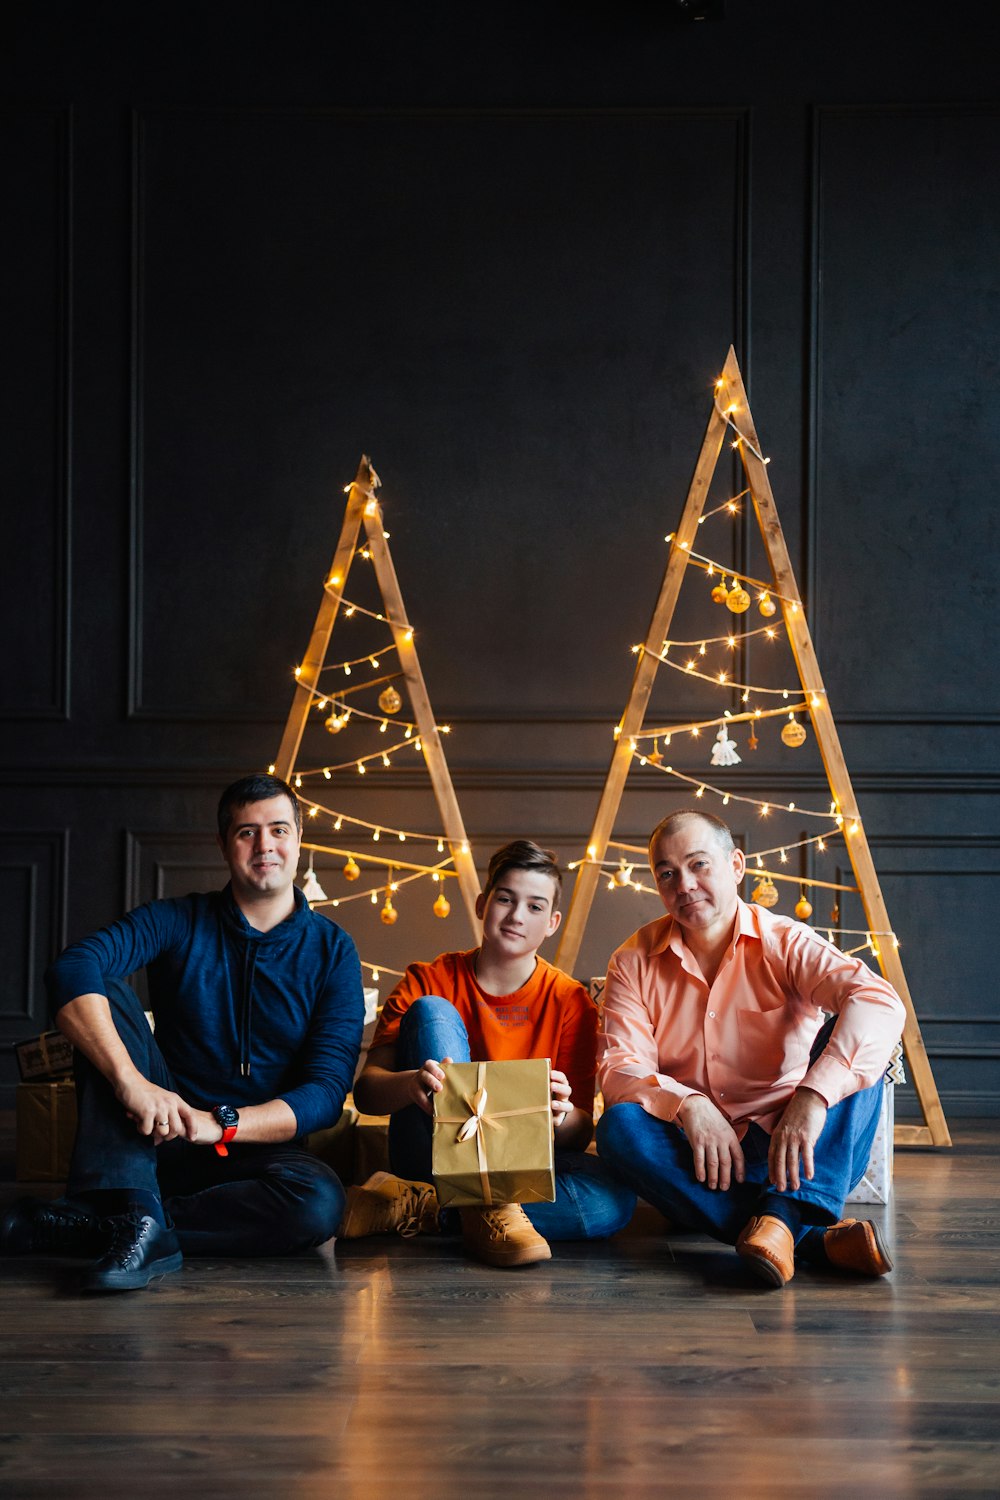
{"type": "Point", "coordinates": [732, 408]}
{"type": "Point", "coordinates": [363, 509]}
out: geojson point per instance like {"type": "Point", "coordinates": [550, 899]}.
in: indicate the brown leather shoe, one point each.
{"type": "Point", "coordinates": [857, 1245]}
{"type": "Point", "coordinates": [767, 1246]}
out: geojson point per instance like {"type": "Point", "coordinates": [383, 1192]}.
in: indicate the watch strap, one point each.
{"type": "Point", "coordinates": [228, 1134]}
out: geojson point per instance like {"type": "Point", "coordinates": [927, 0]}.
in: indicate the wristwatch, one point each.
{"type": "Point", "coordinates": [228, 1119]}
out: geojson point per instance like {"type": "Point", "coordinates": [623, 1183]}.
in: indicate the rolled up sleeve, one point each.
{"type": "Point", "coordinates": [870, 1015]}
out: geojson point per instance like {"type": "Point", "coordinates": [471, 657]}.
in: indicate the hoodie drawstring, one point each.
{"type": "Point", "coordinates": [246, 1007]}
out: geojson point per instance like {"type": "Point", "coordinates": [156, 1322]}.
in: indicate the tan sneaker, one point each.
{"type": "Point", "coordinates": [502, 1236]}
{"type": "Point", "coordinates": [389, 1205]}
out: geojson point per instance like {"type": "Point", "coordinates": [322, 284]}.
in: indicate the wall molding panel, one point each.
{"type": "Point", "coordinates": [36, 163]}
{"type": "Point", "coordinates": [190, 298]}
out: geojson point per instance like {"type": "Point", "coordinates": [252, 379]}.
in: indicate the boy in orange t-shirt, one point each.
{"type": "Point", "coordinates": [498, 1001]}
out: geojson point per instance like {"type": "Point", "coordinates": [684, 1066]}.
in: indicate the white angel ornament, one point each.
{"type": "Point", "coordinates": [724, 750]}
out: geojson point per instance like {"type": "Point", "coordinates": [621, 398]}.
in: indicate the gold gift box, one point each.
{"type": "Point", "coordinates": [46, 1127]}
{"type": "Point", "coordinates": [493, 1140]}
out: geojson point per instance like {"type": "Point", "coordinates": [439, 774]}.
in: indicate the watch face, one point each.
{"type": "Point", "coordinates": [225, 1115]}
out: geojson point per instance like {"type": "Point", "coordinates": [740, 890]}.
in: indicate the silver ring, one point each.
{"type": "Point", "coordinates": [163, 1122]}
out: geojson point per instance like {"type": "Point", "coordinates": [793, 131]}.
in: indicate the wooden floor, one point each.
{"type": "Point", "coordinates": [646, 1366]}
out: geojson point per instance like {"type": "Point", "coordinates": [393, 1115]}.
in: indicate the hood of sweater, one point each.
{"type": "Point", "coordinates": [237, 924]}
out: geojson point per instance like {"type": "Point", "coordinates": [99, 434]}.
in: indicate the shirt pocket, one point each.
{"type": "Point", "coordinates": [774, 1044]}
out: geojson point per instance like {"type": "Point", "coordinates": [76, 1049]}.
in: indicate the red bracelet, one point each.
{"type": "Point", "coordinates": [227, 1135]}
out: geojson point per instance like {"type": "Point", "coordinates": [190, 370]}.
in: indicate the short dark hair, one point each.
{"type": "Point", "coordinates": [256, 788]}
{"type": "Point", "coordinates": [524, 854]}
{"type": "Point", "coordinates": [675, 821]}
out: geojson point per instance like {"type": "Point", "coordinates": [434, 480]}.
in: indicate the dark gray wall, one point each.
{"type": "Point", "coordinates": [504, 250]}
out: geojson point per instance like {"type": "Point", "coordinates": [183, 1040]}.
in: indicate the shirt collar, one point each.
{"type": "Point", "coordinates": [670, 934]}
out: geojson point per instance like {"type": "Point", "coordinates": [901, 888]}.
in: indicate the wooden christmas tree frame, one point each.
{"type": "Point", "coordinates": [363, 509]}
{"type": "Point", "coordinates": [732, 410]}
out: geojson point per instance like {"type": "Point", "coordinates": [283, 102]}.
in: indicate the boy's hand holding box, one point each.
{"type": "Point", "coordinates": [493, 1134]}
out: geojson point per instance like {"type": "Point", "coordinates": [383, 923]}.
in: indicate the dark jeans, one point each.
{"type": "Point", "coordinates": [589, 1204]}
{"type": "Point", "coordinates": [258, 1200]}
{"type": "Point", "coordinates": [654, 1157]}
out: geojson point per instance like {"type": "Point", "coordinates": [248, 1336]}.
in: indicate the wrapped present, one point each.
{"type": "Point", "coordinates": [46, 1127]}
{"type": "Point", "coordinates": [371, 1147]}
{"type": "Point", "coordinates": [335, 1144]}
{"type": "Point", "coordinates": [876, 1185]}
{"type": "Point", "coordinates": [493, 1136]}
{"type": "Point", "coordinates": [47, 1056]}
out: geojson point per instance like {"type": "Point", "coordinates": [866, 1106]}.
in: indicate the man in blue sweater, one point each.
{"type": "Point", "coordinates": [187, 1142]}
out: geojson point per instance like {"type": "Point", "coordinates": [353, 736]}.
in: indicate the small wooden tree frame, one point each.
{"type": "Point", "coordinates": [731, 408]}
{"type": "Point", "coordinates": [363, 509]}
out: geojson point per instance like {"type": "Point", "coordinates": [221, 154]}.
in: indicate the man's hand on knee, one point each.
{"type": "Point", "coordinates": [718, 1155]}
{"type": "Point", "coordinates": [794, 1136]}
{"type": "Point", "coordinates": [157, 1112]}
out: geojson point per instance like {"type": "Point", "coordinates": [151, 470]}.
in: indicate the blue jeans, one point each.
{"type": "Point", "coordinates": [654, 1157]}
{"type": "Point", "coordinates": [258, 1200]}
{"type": "Point", "coordinates": [590, 1203]}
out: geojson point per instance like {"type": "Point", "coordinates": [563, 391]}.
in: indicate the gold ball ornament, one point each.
{"type": "Point", "coordinates": [803, 909]}
{"type": "Point", "coordinates": [793, 734]}
{"type": "Point", "coordinates": [389, 700]}
{"type": "Point", "coordinates": [352, 869]}
{"type": "Point", "coordinates": [388, 913]}
{"type": "Point", "coordinates": [334, 724]}
{"type": "Point", "coordinates": [767, 607]}
{"type": "Point", "coordinates": [765, 892]}
{"type": "Point", "coordinates": [442, 906]}
{"type": "Point", "coordinates": [720, 593]}
{"type": "Point", "coordinates": [623, 875]}
{"type": "Point", "coordinates": [738, 600]}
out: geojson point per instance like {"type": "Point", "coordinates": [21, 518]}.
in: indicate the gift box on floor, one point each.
{"type": "Point", "coordinates": [47, 1056]}
{"type": "Point", "coordinates": [371, 1147]}
{"type": "Point", "coordinates": [46, 1126]}
{"type": "Point", "coordinates": [493, 1139]}
{"type": "Point", "coordinates": [876, 1185]}
{"type": "Point", "coordinates": [335, 1144]}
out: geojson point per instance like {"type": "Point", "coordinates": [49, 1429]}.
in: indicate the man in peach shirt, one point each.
{"type": "Point", "coordinates": [732, 1103]}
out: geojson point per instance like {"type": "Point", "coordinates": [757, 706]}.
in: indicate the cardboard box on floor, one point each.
{"type": "Point", "coordinates": [46, 1127]}
{"type": "Point", "coordinates": [47, 1056]}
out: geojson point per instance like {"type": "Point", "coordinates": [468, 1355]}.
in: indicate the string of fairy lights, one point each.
{"type": "Point", "coordinates": [692, 657]}
{"type": "Point", "coordinates": [328, 697]}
